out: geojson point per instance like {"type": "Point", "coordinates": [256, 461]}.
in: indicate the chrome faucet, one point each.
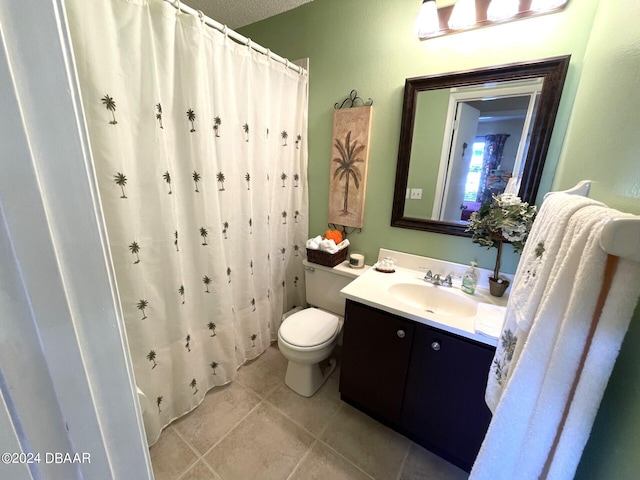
{"type": "Point", "coordinates": [436, 279]}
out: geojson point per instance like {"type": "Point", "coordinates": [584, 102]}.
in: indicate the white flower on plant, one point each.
{"type": "Point", "coordinates": [506, 217]}
{"type": "Point", "coordinates": [516, 234]}
{"type": "Point", "coordinates": [508, 199]}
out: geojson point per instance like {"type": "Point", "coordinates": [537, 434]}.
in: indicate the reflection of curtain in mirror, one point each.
{"type": "Point", "coordinates": [493, 148]}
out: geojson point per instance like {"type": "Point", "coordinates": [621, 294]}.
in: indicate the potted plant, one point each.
{"type": "Point", "coordinates": [506, 218]}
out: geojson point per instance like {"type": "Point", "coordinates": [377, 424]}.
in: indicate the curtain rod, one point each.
{"type": "Point", "coordinates": [234, 35]}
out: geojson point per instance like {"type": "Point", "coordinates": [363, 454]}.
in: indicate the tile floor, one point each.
{"type": "Point", "coordinates": [256, 428]}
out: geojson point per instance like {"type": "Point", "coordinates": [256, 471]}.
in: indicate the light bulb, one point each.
{"type": "Point", "coordinates": [463, 15]}
{"type": "Point", "coordinates": [544, 5]}
{"type": "Point", "coordinates": [502, 9]}
{"type": "Point", "coordinates": [427, 22]}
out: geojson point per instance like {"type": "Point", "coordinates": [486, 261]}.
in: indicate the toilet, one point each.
{"type": "Point", "coordinates": [308, 336]}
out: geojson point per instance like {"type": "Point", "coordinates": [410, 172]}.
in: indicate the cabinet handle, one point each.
{"type": "Point", "coordinates": [400, 333]}
{"type": "Point", "coordinates": [435, 346]}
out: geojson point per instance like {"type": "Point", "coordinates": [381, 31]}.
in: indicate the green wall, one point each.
{"type": "Point", "coordinates": [368, 45]}
{"type": "Point", "coordinates": [428, 132]}
{"type": "Point", "coordinates": [603, 144]}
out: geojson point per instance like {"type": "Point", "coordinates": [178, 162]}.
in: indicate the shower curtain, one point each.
{"type": "Point", "coordinates": [199, 146]}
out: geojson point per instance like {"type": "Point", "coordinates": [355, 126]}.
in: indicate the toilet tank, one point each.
{"type": "Point", "coordinates": [323, 285]}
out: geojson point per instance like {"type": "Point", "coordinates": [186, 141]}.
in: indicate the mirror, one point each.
{"type": "Point", "coordinates": [466, 135]}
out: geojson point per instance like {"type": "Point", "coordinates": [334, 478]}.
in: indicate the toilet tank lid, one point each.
{"type": "Point", "coordinates": [309, 327]}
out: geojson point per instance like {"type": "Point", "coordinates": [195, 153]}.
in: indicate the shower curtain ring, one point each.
{"type": "Point", "coordinates": [178, 5]}
{"type": "Point", "coordinates": [225, 32]}
{"type": "Point", "coordinates": [268, 54]}
{"type": "Point", "coordinates": [249, 44]}
{"type": "Point", "coordinates": [201, 15]}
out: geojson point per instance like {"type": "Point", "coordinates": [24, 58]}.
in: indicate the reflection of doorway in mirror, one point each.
{"type": "Point", "coordinates": [464, 133]}
{"type": "Point", "coordinates": [475, 116]}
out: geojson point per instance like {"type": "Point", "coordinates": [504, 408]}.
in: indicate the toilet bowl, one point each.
{"type": "Point", "coordinates": [308, 336]}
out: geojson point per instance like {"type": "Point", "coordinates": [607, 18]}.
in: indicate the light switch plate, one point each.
{"type": "Point", "coordinates": [416, 194]}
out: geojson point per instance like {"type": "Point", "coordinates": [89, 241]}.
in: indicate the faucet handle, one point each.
{"type": "Point", "coordinates": [447, 281]}
{"type": "Point", "coordinates": [428, 275]}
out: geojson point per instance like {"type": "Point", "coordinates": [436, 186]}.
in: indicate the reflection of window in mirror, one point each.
{"type": "Point", "coordinates": [472, 183]}
{"type": "Point", "coordinates": [496, 124]}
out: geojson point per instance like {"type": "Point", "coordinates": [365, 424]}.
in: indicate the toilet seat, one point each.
{"type": "Point", "coordinates": [309, 328]}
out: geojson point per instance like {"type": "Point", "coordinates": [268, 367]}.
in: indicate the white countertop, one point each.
{"type": "Point", "coordinates": [372, 289]}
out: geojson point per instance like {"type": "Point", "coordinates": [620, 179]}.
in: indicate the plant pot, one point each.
{"type": "Point", "coordinates": [498, 287]}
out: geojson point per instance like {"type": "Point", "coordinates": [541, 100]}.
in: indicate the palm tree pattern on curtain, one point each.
{"type": "Point", "coordinates": [204, 268]}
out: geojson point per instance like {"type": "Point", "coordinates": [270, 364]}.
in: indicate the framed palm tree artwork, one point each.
{"type": "Point", "coordinates": [349, 160]}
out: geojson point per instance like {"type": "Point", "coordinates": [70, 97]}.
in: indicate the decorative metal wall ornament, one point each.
{"type": "Point", "coordinates": [349, 161]}
{"type": "Point", "coordinates": [352, 98]}
{"type": "Point", "coordinates": [345, 231]}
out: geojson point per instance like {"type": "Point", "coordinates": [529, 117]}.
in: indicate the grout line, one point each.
{"type": "Point", "coordinates": [345, 458]}
{"type": "Point", "coordinates": [306, 454]}
{"type": "Point", "coordinates": [318, 439]}
{"type": "Point", "coordinates": [191, 467]}
{"type": "Point", "coordinates": [286, 415]}
{"type": "Point", "coordinates": [404, 461]}
{"type": "Point", "coordinates": [324, 429]}
{"type": "Point", "coordinates": [232, 428]}
{"type": "Point", "coordinates": [194, 449]}
{"type": "Point", "coordinates": [212, 470]}
{"type": "Point", "coordinates": [326, 425]}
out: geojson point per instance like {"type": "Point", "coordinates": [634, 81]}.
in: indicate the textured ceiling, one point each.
{"type": "Point", "coordinates": [238, 13]}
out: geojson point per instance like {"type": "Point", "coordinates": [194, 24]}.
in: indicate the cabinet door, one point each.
{"type": "Point", "coordinates": [444, 405]}
{"type": "Point", "coordinates": [375, 358]}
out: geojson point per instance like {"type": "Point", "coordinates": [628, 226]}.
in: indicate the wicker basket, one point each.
{"type": "Point", "coordinates": [327, 259]}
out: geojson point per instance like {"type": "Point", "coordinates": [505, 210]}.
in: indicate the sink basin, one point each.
{"type": "Point", "coordinates": [441, 301]}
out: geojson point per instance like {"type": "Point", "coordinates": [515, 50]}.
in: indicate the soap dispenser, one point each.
{"type": "Point", "coordinates": [470, 279]}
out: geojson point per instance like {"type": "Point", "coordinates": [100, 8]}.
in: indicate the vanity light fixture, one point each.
{"type": "Point", "coordinates": [427, 22]}
{"type": "Point", "coordinates": [442, 17]}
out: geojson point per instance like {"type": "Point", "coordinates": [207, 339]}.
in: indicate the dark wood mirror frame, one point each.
{"type": "Point", "coordinates": [552, 70]}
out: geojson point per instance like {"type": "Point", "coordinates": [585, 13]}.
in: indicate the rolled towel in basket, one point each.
{"type": "Point", "coordinates": [314, 243]}
{"type": "Point", "coordinates": [330, 246]}
{"type": "Point", "coordinates": [343, 244]}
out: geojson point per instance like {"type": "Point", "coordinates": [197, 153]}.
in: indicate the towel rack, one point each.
{"type": "Point", "coordinates": [620, 236]}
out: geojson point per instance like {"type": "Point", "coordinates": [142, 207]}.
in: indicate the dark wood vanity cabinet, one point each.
{"type": "Point", "coordinates": [429, 384]}
{"type": "Point", "coordinates": [375, 360]}
{"type": "Point", "coordinates": [444, 408]}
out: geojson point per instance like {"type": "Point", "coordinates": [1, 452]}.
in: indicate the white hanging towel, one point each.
{"type": "Point", "coordinates": [530, 283]}
{"type": "Point", "coordinates": [549, 342]}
